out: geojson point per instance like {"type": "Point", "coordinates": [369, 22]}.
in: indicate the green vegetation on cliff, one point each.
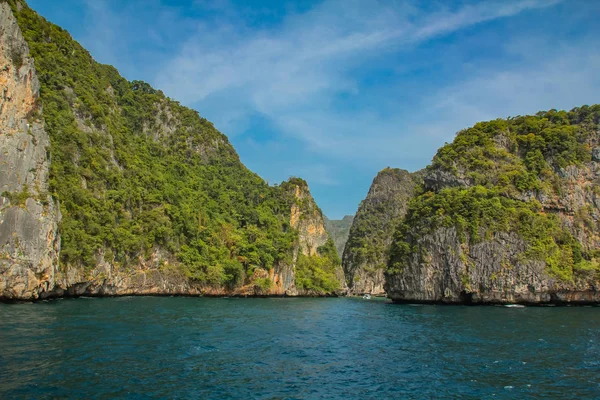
{"type": "Point", "coordinates": [318, 273]}
{"type": "Point", "coordinates": [315, 273]}
{"type": "Point", "coordinates": [522, 153]}
{"type": "Point", "coordinates": [378, 216]}
{"type": "Point", "coordinates": [507, 176]}
{"type": "Point", "coordinates": [477, 213]}
{"type": "Point", "coordinates": [138, 174]}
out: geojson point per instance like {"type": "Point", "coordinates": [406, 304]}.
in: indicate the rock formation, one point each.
{"type": "Point", "coordinates": [153, 199]}
{"type": "Point", "coordinates": [366, 252]}
{"type": "Point", "coordinates": [108, 187]}
{"type": "Point", "coordinates": [29, 217]}
{"type": "Point", "coordinates": [509, 213]}
{"type": "Point", "coordinates": [307, 218]}
{"type": "Point", "coordinates": [153, 278]}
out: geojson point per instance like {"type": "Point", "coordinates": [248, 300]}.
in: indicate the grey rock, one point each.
{"type": "Point", "coordinates": [596, 154]}
{"type": "Point", "coordinates": [492, 271]}
{"type": "Point", "coordinates": [365, 255]}
{"type": "Point", "coordinates": [29, 239]}
{"type": "Point", "coordinates": [443, 267]}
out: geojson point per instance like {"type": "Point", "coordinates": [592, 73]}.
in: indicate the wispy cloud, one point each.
{"type": "Point", "coordinates": [294, 72]}
{"type": "Point", "coordinates": [344, 88]}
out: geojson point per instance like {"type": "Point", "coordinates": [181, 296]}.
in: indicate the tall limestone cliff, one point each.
{"type": "Point", "coordinates": [339, 229]}
{"type": "Point", "coordinates": [510, 212]}
{"type": "Point", "coordinates": [153, 199]}
{"type": "Point", "coordinates": [318, 267]}
{"type": "Point", "coordinates": [29, 240]}
{"type": "Point", "coordinates": [366, 253]}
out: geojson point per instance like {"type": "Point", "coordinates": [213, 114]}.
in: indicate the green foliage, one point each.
{"type": "Point", "coordinates": [263, 285]}
{"type": "Point", "coordinates": [18, 198]}
{"type": "Point", "coordinates": [520, 154]}
{"type": "Point", "coordinates": [377, 218]}
{"type": "Point", "coordinates": [318, 273]}
{"type": "Point", "coordinates": [234, 273]}
{"type": "Point", "coordinates": [503, 160]}
{"type": "Point", "coordinates": [17, 57]}
{"type": "Point", "coordinates": [477, 213]}
{"type": "Point", "coordinates": [296, 181]}
{"type": "Point", "coordinates": [329, 252]}
{"type": "Point", "coordinates": [339, 231]}
{"type": "Point", "coordinates": [135, 171]}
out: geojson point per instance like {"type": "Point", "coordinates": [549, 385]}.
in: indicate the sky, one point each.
{"type": "Point", "coordinates": [334, 91]}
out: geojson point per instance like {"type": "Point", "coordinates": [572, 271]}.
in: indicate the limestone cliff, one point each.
{"type": "Point", "coordinates": [366, 253]}
{"type": "Point", "coordinates": [317, 266]}
{"type": "Point", "coordinates": [339, 230]}
{"type": "Point", "coordinates": [509, 213]}
{"type": "Point", "coordinates": [307, 219]}
{"type": "Point", "coordinates": [29, 240]}
{"type": "Point", "coordinates": [153, 199]}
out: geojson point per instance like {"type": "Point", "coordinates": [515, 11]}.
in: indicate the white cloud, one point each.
{"type": "Point", "coordinates": [559, 75]}
{"type": "Point", "coordinates": [303, 75]}
{"type": "Point", "coordinates": [292, 73]}
{"type": "Point", "coordinates": [309, 54]}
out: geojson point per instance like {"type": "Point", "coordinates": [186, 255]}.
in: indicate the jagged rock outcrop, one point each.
{"type": "Point", "coordinates": [307, 219]}
{"type": "Point", "coordinates": [314, 243]}
{"type": "Point", "coordinates": [29, 239]}
{"type": "Point", "coordinates": [509, 213]}
{"type": "Point", "coordinates": [339, 231]}
{"type": "Point", "coordinates": [366, 252]}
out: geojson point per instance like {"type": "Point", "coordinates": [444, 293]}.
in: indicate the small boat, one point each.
{"type": "Point", "coordinates": [514, 305]}
{"type": "Point", "coordinates": [367, 296]}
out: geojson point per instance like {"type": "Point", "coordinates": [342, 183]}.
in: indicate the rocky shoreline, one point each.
{"type": "Point", "coordinates": [564, 299]}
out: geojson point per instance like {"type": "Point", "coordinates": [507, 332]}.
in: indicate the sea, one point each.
{"type": "Point", "coordinates": [295, 348]}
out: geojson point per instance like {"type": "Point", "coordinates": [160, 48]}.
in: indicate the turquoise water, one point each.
{"type": "Point", "coordinates": [161, 347]}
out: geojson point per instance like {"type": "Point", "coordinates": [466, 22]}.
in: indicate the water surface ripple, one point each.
{"type": "Point", "coordinates": [196, 348]}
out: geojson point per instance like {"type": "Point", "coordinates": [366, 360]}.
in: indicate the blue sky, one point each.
{"type": "Point", "coordinates": [334, 91]}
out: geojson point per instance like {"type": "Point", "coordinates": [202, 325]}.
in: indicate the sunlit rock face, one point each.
{"type": "Point", "coordinates": [29, 240]}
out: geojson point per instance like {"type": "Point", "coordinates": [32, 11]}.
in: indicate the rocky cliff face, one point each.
{"type": "Point", "coordinates": [315, 259]}
{"type": "Point", "coordinates": [29, 239]}
{"type": "Point", "coordinates": [339, 231]}
{"type": "Point", "coordinates": [307, 219]}
{"type": "Point", "coordinates": [153, 199]}
{"type": "Point", "coordinates": [509, 213]}
{"type": "Point", "coordinates": [492, 271]}
{"type": "Point", "coordinates": [290, 278]}
{"type": "Point", "coordinates": [366, 252]}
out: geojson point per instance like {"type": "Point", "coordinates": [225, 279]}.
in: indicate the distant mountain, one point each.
{"type": "Point", "coordinates": [339, 229]}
